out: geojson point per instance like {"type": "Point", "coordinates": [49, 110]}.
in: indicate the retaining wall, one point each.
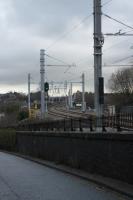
{"type": "Point", "coordinates": [110, 155]}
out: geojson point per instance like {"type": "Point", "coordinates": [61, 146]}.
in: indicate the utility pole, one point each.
{"type": "Point", "coordinates": [98, 43]}
{"type": "Point", "coordinates": [29, 103]}
{"type": "Point", "coordinates": [83, 92]}
{"type": "Point", "coordinates": [42, 76]}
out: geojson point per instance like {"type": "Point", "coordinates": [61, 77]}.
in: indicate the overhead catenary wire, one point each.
{"type": "Point", "coordinates": [118, 21]}
{"type": "Point", "coordinates": [116, 62]}
{"type": "Point", "coordinates": [57, 65]}
{"type": "Point", "coordinates": [114, 45]}
{"type": "Point", "coordinates": [83, 59]}
{"type": "Point", "coordinates": [74, 29]}
{"type": "Point", "coordinates": [104, 51]}
{"type": "Point", "coordinates": [123, 59]}
{"type": "Point", "coordinates": [64, 64]}
{"type": "Point", "coordinates": [57, 59]}
{"type": "Point", "coordinates": [65, 34]}
{"type": "Point", "coordinates": [107, 2]}
{"type": "Point", "coordinates": [122, 65]}
{"type": "Point", "coordinates": [126, 32]}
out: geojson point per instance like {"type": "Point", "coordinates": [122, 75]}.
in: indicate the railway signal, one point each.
{"type": "Point", "coordinates": [46, 86]}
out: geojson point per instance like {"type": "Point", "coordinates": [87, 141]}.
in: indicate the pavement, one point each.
{"type": "Point", "coordinates": [27, 178]}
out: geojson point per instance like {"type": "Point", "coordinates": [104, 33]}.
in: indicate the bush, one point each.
{"type": "Point", "coordinates": [23, 115]}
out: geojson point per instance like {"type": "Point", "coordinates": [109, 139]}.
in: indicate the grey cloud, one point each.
{"type": "Point", "coordinates": [47, 18]}
{"type": "Point", "coordinates": [28, 25]}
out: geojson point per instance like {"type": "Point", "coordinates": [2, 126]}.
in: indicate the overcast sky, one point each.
{"type": "Point", "coordinates": [26, 26]}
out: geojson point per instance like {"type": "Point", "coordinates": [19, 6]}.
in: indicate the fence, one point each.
{"type": "Point", "coordinates": [120, 122]}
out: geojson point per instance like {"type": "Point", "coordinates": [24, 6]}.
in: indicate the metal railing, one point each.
{"type": "Point", "coordinates": [120, 121]}
{"type": "Point", "coordinates": [56, 125]}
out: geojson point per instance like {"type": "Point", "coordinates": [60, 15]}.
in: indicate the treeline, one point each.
{"type": "Point", "coordinates": [121, 86]}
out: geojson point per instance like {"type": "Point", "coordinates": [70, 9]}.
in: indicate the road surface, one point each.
{"type": "Point", "coordinates": [21, 179]}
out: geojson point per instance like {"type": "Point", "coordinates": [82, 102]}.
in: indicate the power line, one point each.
{"type": "Point", "coordinates": [117, 21]}
{"type": "Point", "coordinates": [64, 64]}
{"type": "Point", "coordinates": [85, 59]}
{"type": "Point", "coordinates": [122, 65]}
{"type": "Point", "coordinates": [128, 31]}
{"type": "Point", "coordinates": [57, 65]}
{"type": "Point", "coordinates": [68, 32]}
{"type": "Point", "coordinates": [118, 61]}
{"type": "Point", "coordinates": [59, 60]}
{"type": "Point", "coordinates": [107, 2]}
{"type": "Point", "coordinates": [116, 44]}
{"type": "Point", "coordinates": [82, 60]}
{"type": "Point", "coordinates": [104, 51]}
{"type": "Point", "coordinates": [118, 34]}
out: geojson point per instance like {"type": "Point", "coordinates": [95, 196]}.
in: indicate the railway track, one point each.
{"type": "Point", "coordinates": [124, 122]}
{"type": "Point", "coordinates": [62, 112]}
{"type": "Point", "coordinates": [59, 117]}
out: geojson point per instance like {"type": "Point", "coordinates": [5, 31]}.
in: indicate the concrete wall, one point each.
{"type": "Point", "coordinates": [8, 139]}
{"type": "Point", "coordinates": [110, 155]}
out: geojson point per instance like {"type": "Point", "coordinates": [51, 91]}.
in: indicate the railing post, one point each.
{"type": "Point", "coordinates": [80, 125]}
{"type": "Point", "coordinates": [103, 124]}
{"type": "Point", "coordinates": [91, 124]}
{"type": "Point", "coordinates": [131, 120]}
{"type": "Point", "coordinates": [64, 125]}
{"type": "Point", "coordinates": [52, 126]}
{"type": "Point", "coordinates": [46, 126]}
{"type": "Point", "coordinates": [71, 124]}
{"type": "Point", "coordinates": [118, 122]}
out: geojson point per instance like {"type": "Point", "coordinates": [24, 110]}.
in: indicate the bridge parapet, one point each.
{"type": "Point", "coordinates": [110, 155]}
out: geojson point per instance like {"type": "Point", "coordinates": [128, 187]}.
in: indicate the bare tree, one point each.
{"type": "Point", "coordinates": [122, 81]}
